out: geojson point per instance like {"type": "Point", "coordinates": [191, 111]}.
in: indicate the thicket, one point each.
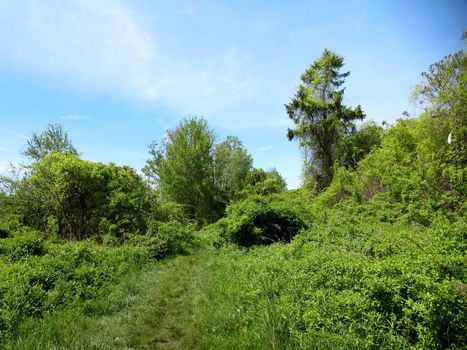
{"type": "Point", "coordinates": [39, 276]}
{"type": "Point", "coordinates": [262, 220]}
{"type": "Point", "coordinates": [350, 281]}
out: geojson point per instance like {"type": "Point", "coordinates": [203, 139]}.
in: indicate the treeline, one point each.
{"type": "Point", "coordinates": [188, 178]}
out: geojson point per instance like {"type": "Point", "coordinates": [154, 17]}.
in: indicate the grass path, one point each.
{"type": "Point", "coordinates": [163, 315]}
{"type": "Point", "coordinates": [155, 308]}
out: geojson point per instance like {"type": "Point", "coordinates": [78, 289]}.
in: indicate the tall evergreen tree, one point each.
{"type": "Point", "coordinates": [321, 120]}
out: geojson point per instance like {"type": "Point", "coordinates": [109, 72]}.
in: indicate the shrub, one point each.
{"type": "Point", "coordinates": [22, 245]}
{"type": "Point", "coordinates": [77, 198]}
{"type": "Point", "coordinates": [38, 276]}
{"type": "Point", "coordinates": [165, 238]}
{"type": "Point", "coordinates": [263, 220]}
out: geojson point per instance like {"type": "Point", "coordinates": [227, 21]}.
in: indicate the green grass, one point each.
{"type": "Point", "coordinates": [151, 309]}
{"type": "Point", "coordinates": [349, 282]}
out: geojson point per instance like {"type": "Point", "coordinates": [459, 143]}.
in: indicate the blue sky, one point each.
{"type": "Point", "coordinates": [116, 74]}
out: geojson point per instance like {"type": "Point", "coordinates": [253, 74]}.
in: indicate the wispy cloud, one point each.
{"type": "Point", "coordinates": [265, 148]}
{"type": "Point", "coordinates": [104, 46]}
{"type": "Point", "coordinates": [5, 149]}
{"type": "Point", "coordinates": [74, 117]}
{"type": "Point", "coordinates": [362, 16]}
{"type": "Point", "coordinates": [13, 133]}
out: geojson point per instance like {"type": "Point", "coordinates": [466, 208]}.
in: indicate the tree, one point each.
{"type": "Point", "coordinates": [181, 168]}
{"type": "Point", "coordinates": [359, 143]}
{"type": "Point", "coordinates": [443, 95]}
{"type": "Point", "coordinates": [82, 198]}
{"type": "Point", "coordinates": [320, 117]}
{"type": "Point", "coordinates": [231, 166]}
{"type": "Point", "coordinates": [263, 183]}
{"type": "Point", "coordinates": [53, 139]}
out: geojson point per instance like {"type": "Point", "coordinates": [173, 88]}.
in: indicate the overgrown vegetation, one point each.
{"type": "Point", "coordinates": [40, 276]}
{"type": "Point", "coordinates": [368, 254]}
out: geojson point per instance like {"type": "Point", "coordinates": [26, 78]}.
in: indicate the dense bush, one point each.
{"type": "Point", "coordinates": [78, 198]}
{"type": "Point", "coordinates": [24, 244]}
{"type": "Point", "coordinates": [38, 276]}
{"type": "Point", "coordinates": [263, 220]}
{"type": "Point", "coordinates": [343, 283]}
{"type": "Point", "coordinates": [260, 182]}
{"type": "Point", "coordinates": [165, 238]}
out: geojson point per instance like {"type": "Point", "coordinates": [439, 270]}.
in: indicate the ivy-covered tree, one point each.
{"type": "Point", "coordinates": [359, 143]}
{"type": "Point", "coordinates": [53, 139]}
{"type": "Point", "coordinates": [321, 119]}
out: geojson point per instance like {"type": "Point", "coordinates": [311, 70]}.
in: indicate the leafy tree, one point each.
{"type": "Point", "coordinates": [359, 143]}
{"type": "Point", "coordinates": [232, 164]}
{"type": "Point", "coordinates": [320, 117]}
{"type": "Point", "coordinates": [82, 198]}
{"type": "Point", "coordinates": [181, 167]}
{"type": "Point", "coordinates": [260, 182]}
{"type": "Point", "coordinates": [443, 94]}
{"type": "Point", "coordinates": [53, 139]}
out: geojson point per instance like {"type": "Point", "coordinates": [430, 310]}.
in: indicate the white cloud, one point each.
{"type": "Point", "coordinates": [74, 117]}
{"type": "Point", "coordinates": [104, 46]}
{"type": "Point", "coordinates": [265, 148]}
{"type": "Point", "coordinates": [89, 43]}
{"type": "Point", "coordinates": [13, 133]}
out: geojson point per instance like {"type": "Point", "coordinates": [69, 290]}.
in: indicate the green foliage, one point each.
{"type": "Point", "coordinates": [232, 165]}
{"type": "Point", "coordinates": [165, 238]}
{"type": "Point", "coordinates": [374, 261]}
{"type": "Point", "coordinates": [263, 220]}
{"type": "Point", "coordinates": [421, 162]}
{"type": "Point", "coordinates": [359, 143]}
{"type": "Point", "coordinates": [321, 120]}
{"type": "Point", "coordinates": [77, 198]}
{"type": "Point", "coordinates": [37, 277]}
{"type": "Point", "coordinates": [181, 167]}
{"type": "Point", "coordinates": [345, 282]}
{"type": "Point", "coordinates": [189, 169]}
{"type": "Point", "coordinates": [262, 183]}
{"type": "Point", "coordinates": [53, 139]}
{"type": "Point", "coordinates": [23, 245]}
{"type": "Point", "coordinates": [168, 211]}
